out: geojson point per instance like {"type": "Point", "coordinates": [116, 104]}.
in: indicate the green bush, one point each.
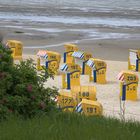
{"type": "Point", "coordinates": [22, 90]}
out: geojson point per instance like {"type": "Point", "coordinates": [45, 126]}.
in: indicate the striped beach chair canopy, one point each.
{"type": "Point", "coordinates": [42, 54]}
{"type": "Point", "coordinates": [121, 76]}
{"type": "Point", "coordinates": [128, 77]}
{"type": "Point", "coordinates": [78, 54]}
{"type": "Point", "coordinates": [91, 64]}
{"type": "Point", "coordinates": [64, 67]}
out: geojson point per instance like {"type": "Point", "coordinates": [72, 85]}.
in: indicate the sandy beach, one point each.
{"type": "Point", "coordinates": [113, 51]}
{"type": "Point", "coordinates": [108, 33]}
{"type": "Point", "coordinates": [108, 94]}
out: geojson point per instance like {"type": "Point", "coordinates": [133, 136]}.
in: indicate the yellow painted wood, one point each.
{"type": "Point", "coordinates": [17, 48]}
{"type": "Point", "coordinates": [83, 92]}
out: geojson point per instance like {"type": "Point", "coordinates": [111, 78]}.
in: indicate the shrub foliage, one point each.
{"type": "Point", "coordinates": [22, 90]}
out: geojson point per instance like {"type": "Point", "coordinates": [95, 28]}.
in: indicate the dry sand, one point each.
{"type": "Point", "coordinates": [108, 94]}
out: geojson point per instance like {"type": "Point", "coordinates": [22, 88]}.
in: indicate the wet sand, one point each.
{"type": "Point", "coordinates": [117, 50]}
{"type": "Point", "coordinates": [54, 36]}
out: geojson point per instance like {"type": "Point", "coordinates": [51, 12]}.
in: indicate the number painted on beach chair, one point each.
{"type": "Point", "coordinates": [83, 92]}
{"type": "Point", "coordinates": [98, 73]}
{"type": "Point", "coordinates": [89, 108]}
{"type": "Point", "coordinates": [73, 79]}
{"type": "Point", "coordinates": [128, 85]}
{"type": "Point", "coordinates": [66, 101]}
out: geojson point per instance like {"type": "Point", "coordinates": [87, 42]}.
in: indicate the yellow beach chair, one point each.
{"type": "Point", "coordinates": [69, 49]}
{"type": "Point", "coordinates": [89, 108]}
{"type": "Point", "coordinates": [84, 56]}
{"type": "Point", "coordinates": [48, 59]}
{"type": "Point", "coordinates": [66, 101]}
{"type": "Point", "coordinates": [98, 73]}
{"type": "Point", "coordinates": [71, 75]}
{"type": "Point", "coordinates": [128, 85]}
{"type": "Point", "coordinates": [16, 47]}
{"type": "Point", "coordinates": [134, 60]}
{"type": "Point", "coordinates": [83, 92]}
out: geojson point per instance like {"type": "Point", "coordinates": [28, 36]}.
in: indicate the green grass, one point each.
{"type": "Point", "coordinates": [60, 126]}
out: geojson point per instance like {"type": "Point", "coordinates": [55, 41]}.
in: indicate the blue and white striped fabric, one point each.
{"type": "Point", "coordinates": [91, 64]}
{"type": "Point", "coordinates": [64, 67]}
{"type": "Point", "coordinates": [78, 54]}
{"type": "Point", "coordinates": [46, 56]}
{"type": "Point", "coordinates": [79, 108]}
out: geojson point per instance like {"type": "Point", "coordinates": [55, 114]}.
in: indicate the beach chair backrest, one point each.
{"type": "Point", "coordinates": [83, 92]}
{"type": "Point", "coordinates": [70, 67]}
{"type": "Point", "coordinates": [128, 77]}
{"type": "Point", "coordinates": [84, 57]}
{"type": "Point", "coordinates": [98, 67]}
{"type": "Point", "coordinates": [87, 56]}
{"type": "Point", "coordinates": [66, 101]}
{"type": "Point", "coordinates": [134, 60]}
{"type": "Point", "coordinates": [71, 75]}
{"type": "Point", "coordinates": [138, 53]}
{"type": "Point", "coordinates": [128, 85]}
{"type": "Point", "coordinates": [54, 56]}
{"type": "Point", "coordinates": [133, 57]}
{"type": "Point", "coordinates": [69, 49]}
{"type": "Point", "coordinates": [49, 59]}
{"type": "Point", "coordinates": [90, 108]}
{"type": "Point", "coordinates": [16, 47]}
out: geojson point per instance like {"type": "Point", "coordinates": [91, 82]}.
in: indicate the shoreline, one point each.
{"type": "Point", "coordinates": [107, 43]}
{"type": "Point", "coordinates": [117, 50]}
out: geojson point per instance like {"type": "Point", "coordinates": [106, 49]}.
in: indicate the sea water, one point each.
{"type": "Point", "coordinates": [98, 13]}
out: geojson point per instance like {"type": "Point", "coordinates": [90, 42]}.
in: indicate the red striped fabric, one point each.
{"type": "Point", "coordinates": [120, 76]}
{"type": "Point", "coordinates": [41, 53]}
